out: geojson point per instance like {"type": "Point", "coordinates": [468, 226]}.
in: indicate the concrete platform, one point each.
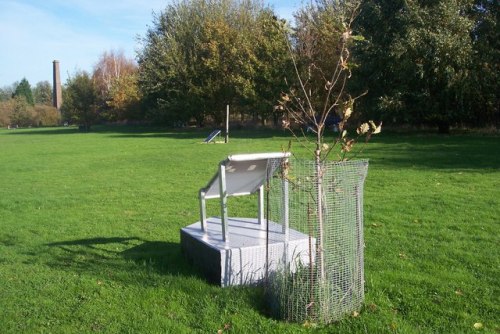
{"type": "Point", "coordinates": [242, 259]}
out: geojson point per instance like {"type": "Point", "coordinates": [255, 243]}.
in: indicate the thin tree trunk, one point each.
{"type": "Point", "coordinates": [319, 209]}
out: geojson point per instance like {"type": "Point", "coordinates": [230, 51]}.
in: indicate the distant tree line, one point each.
{"type": "Point", "coordinates": [21, 105]}
{"type": "Point", "coordinates": [419, 62]}
{"type": "Point", "coordinates": [416, 62]}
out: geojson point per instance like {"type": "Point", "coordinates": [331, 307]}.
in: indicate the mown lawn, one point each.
{"type": "Point", "coordinates": [89, 234]}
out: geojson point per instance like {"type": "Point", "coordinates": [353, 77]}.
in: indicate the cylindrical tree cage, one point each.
{"type": "Point", "coordinates": [324, 281]}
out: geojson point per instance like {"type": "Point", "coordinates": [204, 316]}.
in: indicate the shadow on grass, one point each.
{"type": "Point", "coordinates": [129, 131]}
{"type": "Point", "coordinates": [435, 152]}
{"type": "Point", "coordinates": [92, 241]}
{"type": "Point", "coordinates": [121, 255]}
{"type": "Point", "coordinates": [131, 260]}
{"type": "Point", "coordinates": [392, 150]}
{"type": "Point", "coordinates": [43, 131]}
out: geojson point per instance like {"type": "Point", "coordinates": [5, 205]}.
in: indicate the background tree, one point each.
{"type": "Point", "coordinates": [7, 92]}
{"type": "Point", "coordinates": [80, 99]}
{"type": "Point", "coordinates": [380, 22]}
{"type": "Point", "coordinates": [273, 65]}
{"type": "Point", "coordinates": [6, 103]}
{"type": "Point", "coordinates": [24, 89]}
{"type": "Point", "coordinates": [165, 64]}
{"type": "Point", "coordinates": [429, 62]}
{"type": "Point", "coordinates": [124, 100]}
{"type": "Point", "coordinates": [435, 58]}
{"type": "Point", "coordinates": [200, 56]}
{"type": "Point", "coordinates": [113, 75]}
{"type": "Point", "coordinates": [485, 91]}
{"type": "Point", "coordinates": [321, 43]}
{"type": "Point", "coordinates": [42, 93]}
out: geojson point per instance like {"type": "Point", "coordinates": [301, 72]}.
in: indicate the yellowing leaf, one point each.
{"type": "Point", "coordinates": [348, 146]}
{"type": "Point", "coordinates": [347, 113]}
{"type": "Point", "coordinates": [285, 97]}
{"type": "Point", "coordinates": [358, 37]}
{"type": "Point", "coordinates": [478, 325]}
{"type": "Point", "coordinates": [308, 324]}
{"type": "Point", "coordinates": [363, 128]}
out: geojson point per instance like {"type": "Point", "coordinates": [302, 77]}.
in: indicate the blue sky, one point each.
{"type": "Point", "coordinates": [75, 32]}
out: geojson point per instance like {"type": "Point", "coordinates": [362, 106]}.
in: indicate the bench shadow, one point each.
{"type": "Point", "coordinates": [131, 260]}
{"type": "Point", "coordinates": [121, 255]}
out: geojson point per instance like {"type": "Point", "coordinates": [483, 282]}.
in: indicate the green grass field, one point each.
{"type": "Point", "coordinates": [89, 234]}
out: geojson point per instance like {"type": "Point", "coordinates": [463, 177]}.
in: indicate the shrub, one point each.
{"type": "Point", "coordinates": [47, 115]}
{"type": "Point", "coordinates": [23, 114]}
{"type": "Point", "coordinates": [5, 112]}
{"type": "Point", "coordinates": [17, 111]}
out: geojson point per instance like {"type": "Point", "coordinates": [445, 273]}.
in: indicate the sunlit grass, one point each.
{"type": "Point", "coordinates": [89, 234]}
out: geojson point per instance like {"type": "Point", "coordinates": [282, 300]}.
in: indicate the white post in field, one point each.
{"type": "Point", "coordinates": [226, 140]}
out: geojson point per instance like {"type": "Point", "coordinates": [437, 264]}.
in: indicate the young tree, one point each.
{"type": "Point", "coordinates": [24, 89]}
{"type": "Point", "coordinates": [80, 99]}
{"type": "Point", "coordinates": [321, 56]}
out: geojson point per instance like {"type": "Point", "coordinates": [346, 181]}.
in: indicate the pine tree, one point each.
{"type": "Point", "coordinates": [24, 89]}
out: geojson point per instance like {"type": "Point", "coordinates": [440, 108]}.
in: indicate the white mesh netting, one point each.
{"type": "Point", "coordinates": [323, 280]}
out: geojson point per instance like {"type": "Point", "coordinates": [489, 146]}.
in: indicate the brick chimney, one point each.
{"type": "Point", "coordinates": [56, 91]}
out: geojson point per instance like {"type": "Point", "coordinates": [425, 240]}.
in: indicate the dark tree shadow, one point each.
{"type": "Point", "coordinates": [136, 131]}
{"type": "Point", "coordinates": [430, 151]}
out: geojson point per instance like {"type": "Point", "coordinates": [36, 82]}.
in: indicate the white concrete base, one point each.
{"type": "Point", "coordinates": [242, 259]}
